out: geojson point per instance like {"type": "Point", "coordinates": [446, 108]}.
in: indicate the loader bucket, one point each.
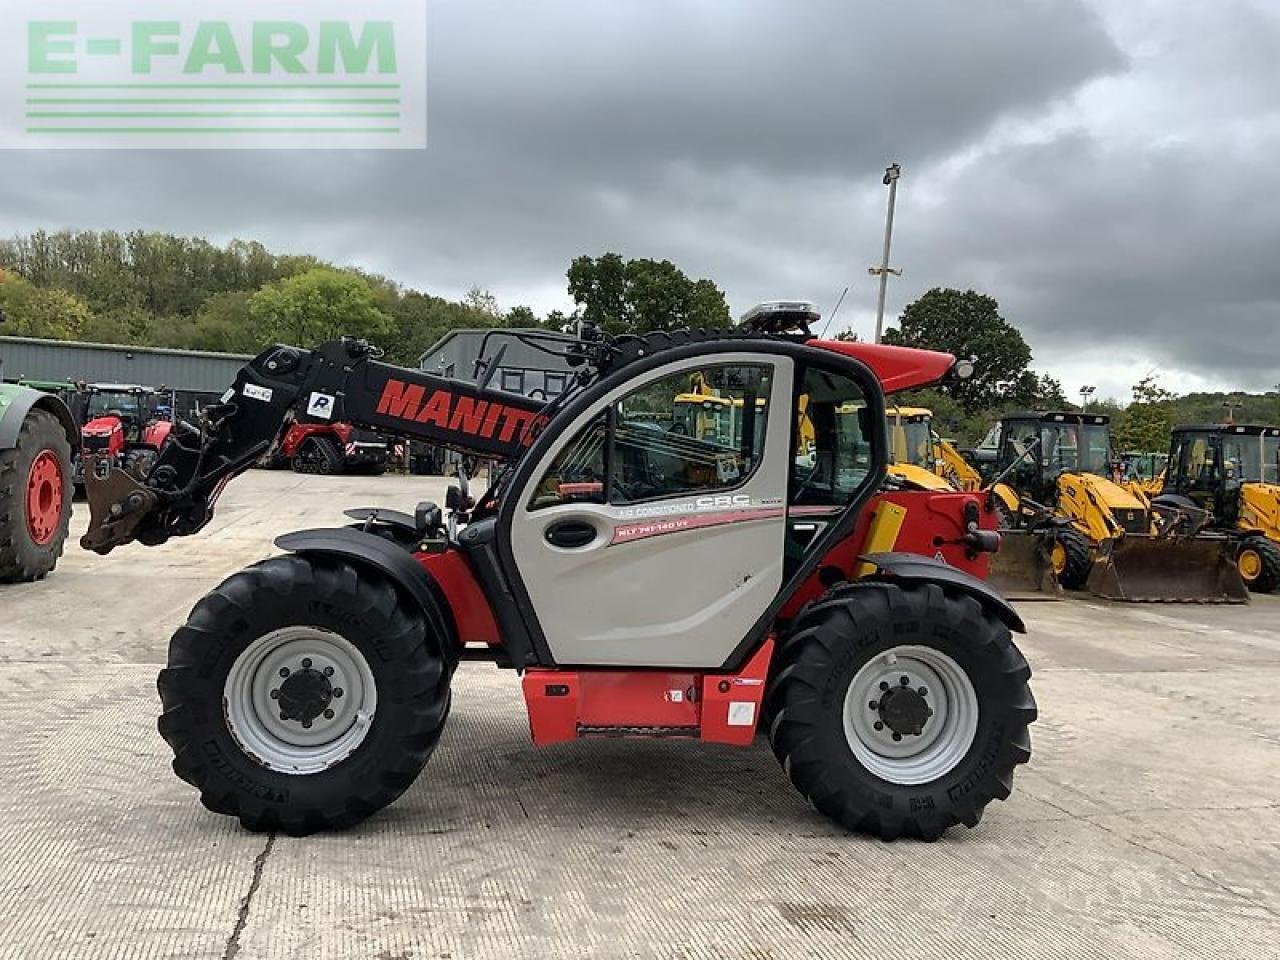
{"type": "Point", "coordinates": [1022, 568]}
{"type": "Point", "coordinates": [1167, 570]}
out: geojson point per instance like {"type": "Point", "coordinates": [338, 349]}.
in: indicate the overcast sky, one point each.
{"type": "Point", "coordinates": [1108, 170]}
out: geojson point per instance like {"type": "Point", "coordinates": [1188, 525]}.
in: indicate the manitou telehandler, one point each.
{"type": "Point", "coordinates": [1231, 471]}
{"type": "Point", "coordinates": [644, 583]}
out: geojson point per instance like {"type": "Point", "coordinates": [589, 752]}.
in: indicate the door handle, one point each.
{"type": "Point", "coordinates": [571, 534]}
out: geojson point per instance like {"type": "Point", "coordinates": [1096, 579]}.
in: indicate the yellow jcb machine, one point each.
{"type": "Point", "coordinates": [1232, 471]}
{"type": "Point", "coordinates": [1067, 518]}
{"type": "Point", "coordinates": [924, 460]}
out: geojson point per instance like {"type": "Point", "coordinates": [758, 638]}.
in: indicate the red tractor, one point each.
{"type": "Point", "coordinates": [122, 425]}
{"type": "Point", "coordinates": [645, 583]}
{"type": "Point", "coordinates": [329, 448]}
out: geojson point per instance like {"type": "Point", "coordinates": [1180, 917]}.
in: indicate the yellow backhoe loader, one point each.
{"type": "Point", "coordinates": [1054, 494]}
{"type": "Point", "coordinates": [1231, 471]}
{"type": "Point", "coordinates": [913, 455]}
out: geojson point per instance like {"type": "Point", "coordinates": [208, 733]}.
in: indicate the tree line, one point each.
{"type": "Point", "coordinates": [158, 289]}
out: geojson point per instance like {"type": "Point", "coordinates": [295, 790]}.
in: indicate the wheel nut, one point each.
{"type": "Point", "coordinates": [897, 737]}
{"type": "Point", "coordinates": [337, 691]}
{"type": "Point", "coordinates": [283, 715]}
{"type": "Point", "coordinates": [873, 705]}
{"type": "Point", "coordinates": [284, 671]}
{"type": "Point", "coordinates": [328, 671]}
{"type": "Point", "coordinates": [306, 724]}
{"type": "Point", "coordinates": [306, 663]}
{"type": "Point", "coordinates": [905, 681]}
{"type": "Point", "coordinates": [879, 725]}
{"type": "Point", "coordinates": [884, 685]}
{"type": "Point", "coordinates": [275, 694]}
{"type": "Point", "coordinates": [923, 692]}
{"type": "Point", "coordinates": [328, 714]}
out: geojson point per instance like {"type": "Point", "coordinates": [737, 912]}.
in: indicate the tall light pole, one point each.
{"type": "Point", "coordinates": [891, 175]}
{"type": "Point", "coordinates": [1085, 394]}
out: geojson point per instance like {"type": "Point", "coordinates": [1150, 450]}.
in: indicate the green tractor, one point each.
{"type": "Point", "coordinates": [37, 439]}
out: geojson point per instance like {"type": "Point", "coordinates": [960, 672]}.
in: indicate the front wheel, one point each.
{"type": "Point", "coordinates": [1071, 558]}
{"type": "Point", "coordinates": [303, 694]}
{"type": "Point", "coordinates": [900, 710]}
{"type": "Point", "coordinates": [1258, 561]}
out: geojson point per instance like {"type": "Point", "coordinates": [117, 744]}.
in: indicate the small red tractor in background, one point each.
{"type": "Point", "coordinates": [121, 425]}
{"type": "Point", "coordinates": [644, 582]}
{"type": "Point", "coordinates": [330, 448]}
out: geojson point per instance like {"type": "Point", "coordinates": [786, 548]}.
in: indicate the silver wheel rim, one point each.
{"type": "Point", "coordinates": [946, 735]}
{"type": "Point", "coordinates": [255, 686]}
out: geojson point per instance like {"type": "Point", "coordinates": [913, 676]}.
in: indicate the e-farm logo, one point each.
{"type": "Point", "coordinates": [215, 74]}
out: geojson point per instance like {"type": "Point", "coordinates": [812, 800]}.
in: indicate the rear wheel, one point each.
{"type": "Point", "coordinates": [35, 499]}
{"type": "Point", "coordinates": [318, 455]}
{"type": "Point", "coordinates": [303, 694]}
{"type": "Point", "coordinates": [1071, 557]}
{"type": "Point", "coordinates": [900, 710]}
{"type": "Point", "coordinates": [1258, 561]}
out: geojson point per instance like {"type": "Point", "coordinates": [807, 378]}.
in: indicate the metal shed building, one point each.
{"type": "Point", "coordinates": [524, 368]}
{"type": "Point", "coordinates": [25, 358]}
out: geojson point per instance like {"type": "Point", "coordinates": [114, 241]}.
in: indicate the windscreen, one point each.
{"type": "Point", "coordinates": [1076, 447]}
{"type": "Point", "coordinates": [1252, 458]}
{"type": "Point", "coordinates": [125, 405]}
{"type": "Point", "coordinates": [919, 440]}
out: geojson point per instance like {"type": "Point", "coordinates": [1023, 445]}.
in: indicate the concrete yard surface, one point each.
{"type": "Point", "coordinates": [1147, 824]}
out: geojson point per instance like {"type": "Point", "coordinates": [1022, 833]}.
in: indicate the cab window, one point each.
{"type": "Point", "coordinates": [833, 456]}
{"type": "Point", "coordinates": [696, 431]}
{"type": "Point", "coordinates": [692, 432]}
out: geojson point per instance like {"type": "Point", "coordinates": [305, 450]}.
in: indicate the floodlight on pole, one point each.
{"type": "Point", "coordinates": [1085, 394]}
{"type": "Point", "coordinates": [891, 175]}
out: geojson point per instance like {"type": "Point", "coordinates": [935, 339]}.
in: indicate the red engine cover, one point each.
{"type": "Point", "coordinates": [109, 427]}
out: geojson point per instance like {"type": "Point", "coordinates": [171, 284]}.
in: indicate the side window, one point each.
{"type": "Point", "coordinates": [513, 381]}
{"type": "Point", "coordinates": [692, 432]}
{"type": "Point", "coordinates": [833, 454]}
{"type": "Point", "coordinates": [577, 475]}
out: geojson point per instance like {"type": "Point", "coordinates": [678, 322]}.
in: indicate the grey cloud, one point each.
{"type": "Point", "coordinates": [745, 140]}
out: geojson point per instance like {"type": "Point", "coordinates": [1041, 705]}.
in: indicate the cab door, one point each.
{"type": "Point", "coordinates": [641, 544]}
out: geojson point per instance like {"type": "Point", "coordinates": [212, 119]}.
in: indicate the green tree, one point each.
{"type": "Point", "coordinates": [320, 304]}
{"type": "Point", "coordinates": [967, 324]}
{"type": "Point", "coordinates": [640, 296]}
{"type": "Point", "coordinates": [35, 312]}
{"type": "Point", "coordinates": [1146, 423]}
{"type": "Point", "coordinates": [1033, 391]}
{"type": "Point", "coordinates": [522, 317]}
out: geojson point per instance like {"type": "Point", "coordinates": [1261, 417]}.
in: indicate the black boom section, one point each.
{"type": "Point", "coordinates": [340, 381]}
{"type": "Point", "coordinates": [446, 412]}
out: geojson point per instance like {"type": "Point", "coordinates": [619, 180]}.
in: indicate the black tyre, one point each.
{"type": "Point", "coordinates": [1258, 561]}
{"type": "Point", "coordinates": [319, 455]}
{"type": "Point", "coordinates": [139, 461]}
{"type": "Point", "coordinates": [960, 721]}
{"type": "Point", "coordinates": [303, 694]}
{"type": "Point", "coordinates": [35, 499]}
{"type": "Point", "coordinates": [1072, 558]}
